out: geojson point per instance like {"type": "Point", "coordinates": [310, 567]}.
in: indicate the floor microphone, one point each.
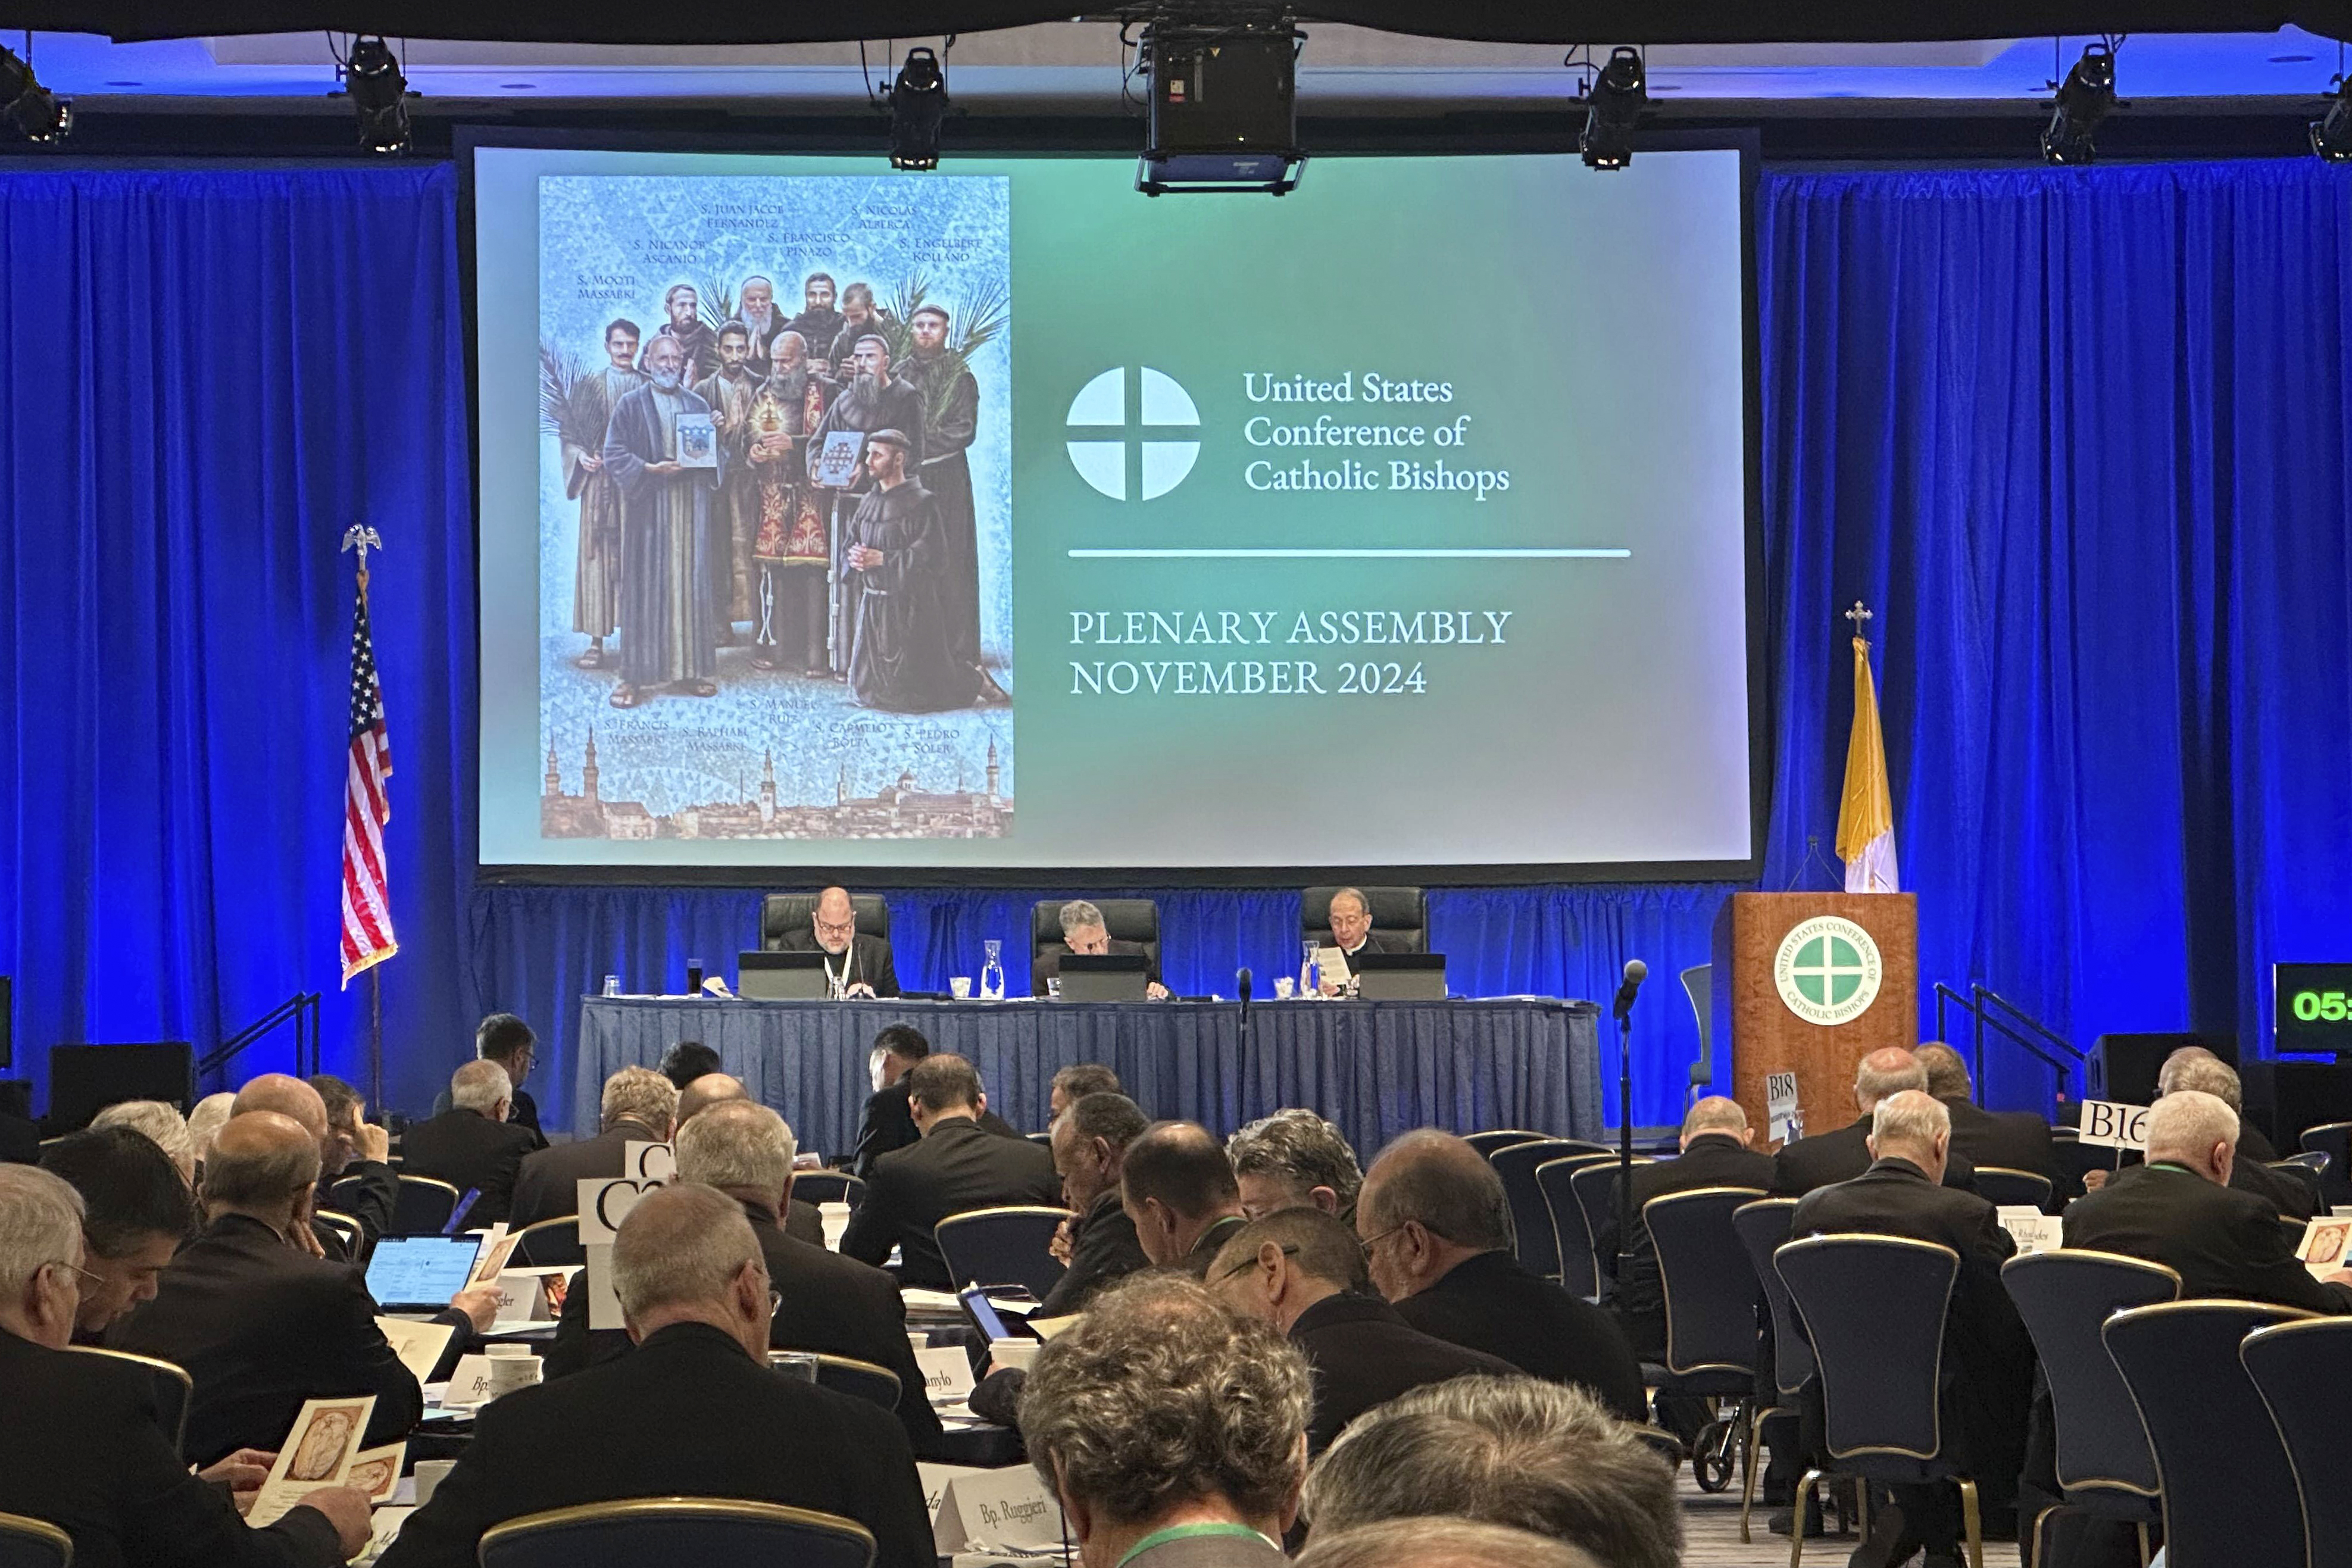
{"type": "Point", "coordinates": [1635, 973]}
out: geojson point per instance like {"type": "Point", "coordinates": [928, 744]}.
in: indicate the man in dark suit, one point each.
{"type": "Point", "coordinates": [2180, 1210]}
{"type": "Point", "coordinates": [374, 1192]}
{"type": "Point", "coordinates": [259, 1322]}
{"type": "Point", "coordinates": [1303, 1272]}
{"type": "Point", "coordinates": [136, 1213]}
{"type": "Point", "coordinates": [694, 1411]}
{"type": "Point", "coordinates": [507, 1040]}
{"type": "Point", "coordinates": [1177, 1185]}
{"type": "Point", "coordinates": [1436, 1230]}
{"type": "Point", "coordinates": [955, 1168]}
{"type": "Point", "coordinates": [1084, 932]}
{"type": "Point", "coordinates": [1074, 1083]}
{"type": "Point", "coordinates": [471, 1145]}
{"type": "Point", "coordinates": [802, 1221]}
{"type": "Point", "coordinates": [2195, 1068]}
{"type": "Point", "coordinates": [83, 1447]}
{"type": "Point", "coordinates": [1716, 1153]}
{"type": "Point", "coordinates": [832, 1305]}
{"type": "Point", "coordinates": [1098, 1246]}
{"type": "Point", "coordinates": [1353, 933]}
{"type": "Point", "coordinates": [2009, 1139]}
{"type": "Point", "coordinates": [1987, 1359]}
{"type": "Point", "coordinates": [1843, 1153]}
{"type": "Point", "coordinates": [888, 1125]}
{"type": "Point", "coordinates": [856, 964]}
{"type": "Point", "coordinates": [1295, 1160]}
{"type": "Point", "coordinates": [639, 1106]}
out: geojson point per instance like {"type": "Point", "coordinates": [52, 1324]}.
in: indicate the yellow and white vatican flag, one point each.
{"type": "Point", "coordinates": [1865, 832]}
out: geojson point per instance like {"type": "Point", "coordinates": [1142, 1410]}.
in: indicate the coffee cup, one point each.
{"type": "Point", "coordinates": [512, 1366]}
{"type": "Point", "coordinates": [1021, 1354]}
{"type": "Point", "coordinates": [429, 1473]}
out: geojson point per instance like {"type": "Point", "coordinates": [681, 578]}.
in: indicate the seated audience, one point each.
{"type": "Point", "coordinates": [1098, 1244]}
{"type": "Point", "coordinates": [205, 1121]}
{"type": "Point", "coordinates": [825, 1303]}
{"type": "Point", "coordinates": [2179, 1209]}
{"type": "Point", "coordinates": [371, 1201]}
{"type": "Point", "coordinates": [471, 1145]}
{"type": "Point", "coordinates": [693, 1412]}
{"type": "Point", "coordinates": [2011, 1140]}
{"type": "Point", "coordinates": [1295, 1160]}
{"type": "Point", "coordinates": [888, 1125]}
{"type": "Point", "coordinates": [2195, 1068]}
{"type": "Point", "coordinates": [1437, 1237]}
{"type": "Point", "coordinates": [1509, 1451]}
{"type": "Point", "coordinates": [1716, 1151]}
{"type": "Point", "coordinates": [356, 1156]}
{"type": "Point", "coordinates": [956, 1167]}
{"type": "Point", "coordinates": [2186, 1068]}
{"type": "Point", "coordinates": [804, 1221]}
{"type": "Point", "coordinates": [639, 1106]}
{"type": "Point", "coordinates": [258, 1320]}
{"type": "Point", "coordinates": [1074, 1083]}
{"type": "Point", "coordinates": [1303, 1272]}
{"type": "Point", "coordinates": [136, 1213]}
{"type": "Point", "coordinates": [161, 1123]}
{"type": "Point", "coordinates": [83, 1447]}
{"type": "Point", "coordinates": [1177, 1188]}
{"type": "Point", "coordinates": [855, 963]}
{"type": "Point", "coordinates": [1989, 1359]}
{"type": "Point", "coordinates": [1084, 932]}
{"type": "Point", "coordinates": [1843, 1153]}
{"type": "Point", "coordinates": [507, 1040]}
{"type": "Point", "coordinates": [1439, 1543]}
{"type": "Point", "coordinates": [1173, 1431]}
{"type": "Point", "coordinates": [687, 1060]}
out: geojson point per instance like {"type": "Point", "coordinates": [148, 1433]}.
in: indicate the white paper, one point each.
{"type": "Point", "coordinates": [835, 1217]}
{"type": "Point", "coordinates": [2107, 1125]}
{"type": "Point", "coordinates": [603, 1304]}
{"type": "Point", "coordinates": [606, 1200]}
{"type": "Point", "coordinates": [2032, 1230]}
{"type": "Point", "coordinates": [646, 1162]}
{"type": "Point", "coordinates": [1783, 1123]}
{"type": "Point", "coordinates": [418, 1345]}
{"type": "Point", "coordinates": [947, 1374]}
{"type": "Point", "coordinates": [317, 1454]}
{"type": "Point", "coordinates": [383, 1529]}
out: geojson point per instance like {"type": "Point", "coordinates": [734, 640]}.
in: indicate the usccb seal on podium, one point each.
{"type": "Point", "coordinates": [1828, 970]}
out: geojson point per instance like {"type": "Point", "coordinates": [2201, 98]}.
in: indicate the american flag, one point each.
{"type": "Point", "coordinates": [367, 806]}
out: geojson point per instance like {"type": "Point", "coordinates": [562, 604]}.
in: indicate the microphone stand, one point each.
{"type": "Point", "coordinates": [1242, 986]}
{"type": "Point", "coordinates": [1624, 1137]}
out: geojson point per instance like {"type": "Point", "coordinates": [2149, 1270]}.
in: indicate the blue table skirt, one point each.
{"type": "Point", "coordinates": [1376, 1068]}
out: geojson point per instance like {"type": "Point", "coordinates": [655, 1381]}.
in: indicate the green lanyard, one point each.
{"type": "Point", "coordinates": [1176, 1531]}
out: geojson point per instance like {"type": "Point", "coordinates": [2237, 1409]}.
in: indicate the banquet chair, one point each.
{"type": "Point", "coordinates": [1580, 1275]}
{"type": "Point", "coordinates": [1008, 1246]}
{"type": "Point", "coordinates": [2229, 1491]}
{"type": "Point", "coordinates": [2304, 1373]}
{"type": "Point", "coordinates": [2312, 1178]}
{"type": "Point", "coordinates": [637, 1532]}
{"type": "Point", "coordinates": [2333, 1139]}
{"type": "Point", "coordinates": [174, 1389]}
{"type": "Point", "coordinates": [549, 1244]}
{"type": "Point", "coordinates": [1595, 1187]}
{"type": "Point", "coordinates": [1486, 1143]}
{"type": "Point", "coordinates": [33, 1543]}
{"type": "Point", "coordinates": [859, 1379]}
{"type": "Point", "coordinates": [2003, 1187]}
{"type": "Point", "coordinates": [1710, 1293]}
{"type": "Point", "coordinates": [353, 1237]}
{"type": "Point", "coordinates": [828, 1187]}
{"type": "Point", "coordinates": [1762, 1225]}
{"type": "Point", "coordinates": [1533, 1243]}
{"type": "Point", "coordinates": [424, 1206]}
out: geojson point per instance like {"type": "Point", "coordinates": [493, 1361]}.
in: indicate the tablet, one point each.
{"type": "Point", "coordinates": [420, 1273]}
{"type": "Point", "coordinates": [992, 1323]}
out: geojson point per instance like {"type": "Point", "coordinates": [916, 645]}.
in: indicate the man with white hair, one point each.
{"type": "Point", "coordinates": [83, 1447]}
{"type": "Point", "coordinates": [639, 1106]}
{"type": "Point", "coordinates": [1087, 932]}
{"type": "Point", "coordinates": [827, 1303]}
{"type": "Point", "coordinates": [694, 1411]}
{"type": "Point", "coordinates": [2179, 1209]}
{"type": "Point", "coordinates": [205, 1120]}
{"type": "Point", "coordinates": [471, 1145]}
{"type": "Point", "coordinates": [2194, 1067]}
{"type": "Point", "coordinates": [162, 1125]}
{"type": "Point", "coordinates": [1985, 1342]}
{"type": "Point", "coordinates": [1844, 1152]}
{"type": "Point", "coordinates": [2011, 1140]}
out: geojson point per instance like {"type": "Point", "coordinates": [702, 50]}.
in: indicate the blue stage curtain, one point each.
{"type": "Point", "coordinates": [208, 375]}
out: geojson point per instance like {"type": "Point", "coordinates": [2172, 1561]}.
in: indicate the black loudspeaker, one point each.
{"type": "Point", "coordinates": [2124, 1067]}
{"type": "Point", "coordinates": [15, 1097]}
{"type": "Point", "coordinates": [86, 1079]}
{"type": "Point", "coordinates": [2287, 1097]}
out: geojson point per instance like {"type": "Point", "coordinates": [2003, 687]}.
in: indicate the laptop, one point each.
{"type": "Point", "coordinates": [1399, 976]}
{"type": "Point", "coordinates": [1103, 976]}
{"type": "Point", "coordinates": [766, 976]}
{"type": "Point", "coordinates": [420, 1273]}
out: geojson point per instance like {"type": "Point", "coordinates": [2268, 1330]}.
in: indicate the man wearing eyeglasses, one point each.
{"type": "Point", "coordinates": [855, 965]}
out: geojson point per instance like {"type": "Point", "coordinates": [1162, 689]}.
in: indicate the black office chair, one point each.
{"type": "Point", "coordinates": [172, 1388]}
{"type": "Point", "coordinates": [2304, 1373]}
{"type": "Point", "coordinates": [1698, 984]}
{"type": "Point", "coordinates": [2229, 1495]}
{"type": "Point", "coordinates": [2001, 1186]}
{"type": "Point", "coordinates": [640, 1531]}
{"type": "Point", "coordinates": [1127, 920]}
{"type": "Point", "coordinates": [1762, 1227]}
{"type": "Point", "coordinates": [2104, 1464]}
{"type": "Point", "coordinates": [2333, 1139]}
{"type": "Point", "coordinates": [828, 1187]}
{"type": "Point", "coordinates": [781, 912]}
{"type": "Point", "coordinates": [1008, 1246]}
{"type": "Point", "coordinates": [549, 1244]}
{"type": "Point", "coordinates": [1874, 1308]}
{"type": "Point", "coordinates": [1710, 1292]}
{"type": "Point", "coordinates": [1400, 913]}
{"type": "Point", "coordinates": [1486, 1143]}
{"type": "Point", "coordinates": [1580, 1275]}
{"type": "Point", "coordinates": [1595, 1187]}
{"type": "Point", "coordinates": [424, 1206]}
{"type": "Point", "coordinates": [1534, 1243]}
{"type": "Point", "coordinates": [33, 1543]}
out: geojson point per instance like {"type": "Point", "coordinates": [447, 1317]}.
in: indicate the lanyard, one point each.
{"type": "Point", "coordinates": [1178, 1531]}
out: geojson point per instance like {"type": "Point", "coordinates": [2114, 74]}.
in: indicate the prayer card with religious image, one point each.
{"type": "Point", "coordinates": [376, 1472]}
{"type": "Point", "coordinates": [317, 1453]}
{"type": "Point", "coordinates": [2326, 1240]}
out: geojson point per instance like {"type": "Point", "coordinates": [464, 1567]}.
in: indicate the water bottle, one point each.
{"type": "Point", "coordinates": [992, 973]}
{"type": "Point", "coordinates": [1310, 973]}
{"type": "Point", "coordinates": [612, 985]}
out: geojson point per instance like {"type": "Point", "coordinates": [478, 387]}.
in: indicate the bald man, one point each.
{"type": "Point", "coordinates": [855, 963]}
{"type": "Point", "coordinates": [261, 1324]}
{"type": "Point", "coordinates": [803, 1221]}
{"type": "Point", "coordinates": [375, 1191]}
{"type": "Point", "coordinates": [1717, 1150]}
{"type": "Point", "coordinates": [1842, 1154]}
{"type": "Point", "coordinates": [1177, 1183]}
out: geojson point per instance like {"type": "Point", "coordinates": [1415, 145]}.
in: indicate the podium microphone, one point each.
{"type": "Point", "coordinates": [1635, 973]}
{"type": "Point", "coordinates": [1242, 989]}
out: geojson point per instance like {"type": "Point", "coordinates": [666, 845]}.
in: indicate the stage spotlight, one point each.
{"type": "Point", "coordinates": [2331, 137]}
{"type": "Point", "coordinates": [1620, 94]}
{"type": "Point", "coordinates": [918, 100]}
{"type": "Point", "coordinates": [38, 114]}
{"type": "Point", "coordinates": [379, 90]}
{"type": "Point", "coordinates": [2085, 98]}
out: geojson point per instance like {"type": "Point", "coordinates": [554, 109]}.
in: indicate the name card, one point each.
{"type": "Point", "coordinates": [1783, 1121]}
{"type": "Point", "coordinates": [947, 1374]}
{"type": "Point", "coordinates": [606, 1202]}
{"type": "Point", "coordinates": [646, 1162]}
{"type": "Point", "coordinates": [1008, 1508]}
{"type": "Point", "coordinates": [470, 1383]}
{"type": "Point", "coordinates": [2112, 1126]}
{"type": "Point", "coordinates": [2032, 1230]}
{"type": "Point", "coordinates": [935, 1480]}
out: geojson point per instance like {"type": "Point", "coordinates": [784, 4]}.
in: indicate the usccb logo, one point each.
{"type": "Point", "coordinates": [1828, 971]}
{"type": "Point", "coordinates": [1134, 432]}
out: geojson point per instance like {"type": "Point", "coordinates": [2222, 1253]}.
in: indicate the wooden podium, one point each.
{"type": "Point", "coordinates": [1809, 984]}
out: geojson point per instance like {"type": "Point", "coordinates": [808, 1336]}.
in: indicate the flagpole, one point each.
{"type": "Point", "coordinates": [375, 1037]}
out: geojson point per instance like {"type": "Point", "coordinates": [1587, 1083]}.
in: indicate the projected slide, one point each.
{"type": "Point", "coordinates": [1001, 517]}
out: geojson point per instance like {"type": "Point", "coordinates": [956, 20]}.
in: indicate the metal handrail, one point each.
{"type": "Point", "coordinates": [302, 1010]}
{"type": "Point", "coordinates": [1980, 1004]}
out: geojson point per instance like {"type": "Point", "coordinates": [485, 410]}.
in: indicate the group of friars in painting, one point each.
{"type": "Point", "coordinates": [867, 572]}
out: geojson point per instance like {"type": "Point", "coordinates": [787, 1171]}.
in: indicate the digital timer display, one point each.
{"type": "Point", "coordinates": [2313, 1004]}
